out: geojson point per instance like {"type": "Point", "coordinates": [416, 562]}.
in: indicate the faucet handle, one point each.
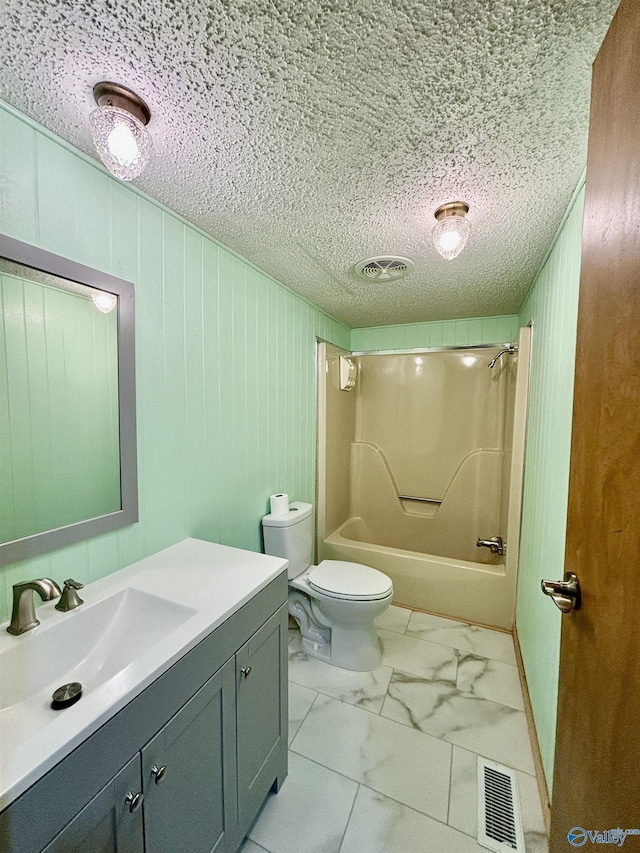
{"type": "Point", "coordinates": [70, 599]}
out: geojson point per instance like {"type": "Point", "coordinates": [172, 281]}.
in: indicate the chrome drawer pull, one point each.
{"type": "Point", "coordinates": [134, 801]}
{"type": "Point", "coordinates": [158, 773]}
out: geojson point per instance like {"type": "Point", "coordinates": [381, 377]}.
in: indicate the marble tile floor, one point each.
{"type": "Point", "coordinates": [386, 761]}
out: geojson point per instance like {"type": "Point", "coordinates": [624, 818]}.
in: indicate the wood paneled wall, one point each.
{"type": "Point", "coordinates": [552, 308]}
{"type": "Point", "coordinates": [224, 357]}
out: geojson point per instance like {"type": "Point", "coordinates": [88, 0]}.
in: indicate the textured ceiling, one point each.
{"type": "Point", "coordinates": [309, 135]}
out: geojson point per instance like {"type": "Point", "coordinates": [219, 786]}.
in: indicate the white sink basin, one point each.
{"type": "Point", "coordinates": [133, 626]}
{"type": "Point", "coordinates": [90, 644]}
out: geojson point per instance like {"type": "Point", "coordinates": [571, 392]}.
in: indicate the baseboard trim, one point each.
{"type": "Point", "coordinates": [452, 618]}
{"type": "Point", "coordinates": [535, 746]}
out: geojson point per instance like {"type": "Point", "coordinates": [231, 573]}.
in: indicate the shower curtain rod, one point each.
{"type": "Point", "coordinates": [417, 350]}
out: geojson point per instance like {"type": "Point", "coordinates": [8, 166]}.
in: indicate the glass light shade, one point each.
{"type": "Point", "coordinates": [121, 140]}
{"type": "Point", "coordinates": [450, 236]}
{"type": "Point", "coordinates": [103, 301]}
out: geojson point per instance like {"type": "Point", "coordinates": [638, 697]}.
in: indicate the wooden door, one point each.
{"type": "Point", "coordinates": [597, 762]}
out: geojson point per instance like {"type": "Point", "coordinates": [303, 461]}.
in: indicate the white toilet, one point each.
{"type": "Point", "coordinates": [334, 603]}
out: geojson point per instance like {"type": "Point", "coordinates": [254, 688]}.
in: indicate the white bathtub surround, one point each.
{"type": "Point", "coordinates": [416, 791]}
{"type": "Point", "coordinates": [412, 497]}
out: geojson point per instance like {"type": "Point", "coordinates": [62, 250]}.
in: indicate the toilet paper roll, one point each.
{"type": "Point", "coordinates": [279, 504]}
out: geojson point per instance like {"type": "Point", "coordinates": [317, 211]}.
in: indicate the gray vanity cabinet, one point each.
{"type": "Point", "coordinates": [203, 744]}
{"type": "Point", "coordinates": [261, 703]}
{"type": "Point", "coordinates": [186, 800]}
{"type": "Point", "coordinates": [106, 824]}
{"type": "Point", "coordinates": [189, 800]}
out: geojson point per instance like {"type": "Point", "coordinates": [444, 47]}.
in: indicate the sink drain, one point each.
{"type": "Point", "coordinates": [66, 695]}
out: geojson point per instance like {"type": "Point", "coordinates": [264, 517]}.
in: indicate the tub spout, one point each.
{"type": "Point", "coordinates": [495, 545]}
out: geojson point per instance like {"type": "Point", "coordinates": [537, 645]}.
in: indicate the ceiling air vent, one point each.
{"type": "Point", "coordinates": [384, 268]}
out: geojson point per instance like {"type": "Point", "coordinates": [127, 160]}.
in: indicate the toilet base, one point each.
{"type": "Point", "coordinates": [338, 633]}
{"type": "Point", "coordinates": [353, 650]}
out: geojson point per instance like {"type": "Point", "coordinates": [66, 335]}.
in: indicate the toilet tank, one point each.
{"type": "Point", "coordinates": [290, 536]}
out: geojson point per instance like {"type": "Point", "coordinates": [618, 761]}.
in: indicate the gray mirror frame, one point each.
{"type": "Point", "coordinates": [50, 540]}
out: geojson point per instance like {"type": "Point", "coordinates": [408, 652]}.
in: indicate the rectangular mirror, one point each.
{"type": "Point", "coordinates": [67, 402]}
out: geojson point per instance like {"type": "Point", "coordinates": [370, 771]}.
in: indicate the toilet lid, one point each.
{"type": "Point", "coordinates": [349, 580]}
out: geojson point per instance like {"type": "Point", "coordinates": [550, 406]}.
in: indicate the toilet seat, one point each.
{"type": "Point", "coordinates": [352, 581]}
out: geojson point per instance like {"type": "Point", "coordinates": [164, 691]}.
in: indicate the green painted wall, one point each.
{"type": "Point", "coordinates": [225, 375]}
{"type": "Point", "coordinates": [552, 307]}
{"type": "Point", "coordinates": [478, 330]}
{"type": "Point", "coordinates": [59, 453]}
{"type": "Point", "coordinates": [224, 357]}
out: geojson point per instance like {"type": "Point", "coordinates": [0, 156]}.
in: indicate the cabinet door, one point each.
{"type": "Point", "coordinates": [189, 776]}
{"type": "Point", "coordinates": [261, 698]}
{"type": "Point", "coordinates": [106, 824]}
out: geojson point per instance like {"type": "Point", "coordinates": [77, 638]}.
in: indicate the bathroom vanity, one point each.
{"type": "Point", "coordinates": [175, 751]}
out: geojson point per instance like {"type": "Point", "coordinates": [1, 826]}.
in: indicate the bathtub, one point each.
{"type": "Point", "coordinates": [483, 593]}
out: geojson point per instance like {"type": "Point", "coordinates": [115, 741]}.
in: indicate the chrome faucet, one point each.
{"type": "Point", "coordinates": [23, 615]}
{"type": "Point", "coordinates": [495, 545]}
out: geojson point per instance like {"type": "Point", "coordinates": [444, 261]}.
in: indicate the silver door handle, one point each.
{"type": "Point", "coordinates": [565, 594]}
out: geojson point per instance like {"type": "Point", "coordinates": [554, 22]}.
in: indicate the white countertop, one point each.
{"type": "Point", "coordinates": [213, 581]}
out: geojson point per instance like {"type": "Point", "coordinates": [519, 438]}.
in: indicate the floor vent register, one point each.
{"type": "Point", "coordinates": [499, 819]}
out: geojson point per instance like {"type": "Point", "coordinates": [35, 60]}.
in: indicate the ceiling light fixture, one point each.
{"type": "Point", "coordinates": [119, 131]}
{"type": "Point", "coordinates": [451, 231]}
